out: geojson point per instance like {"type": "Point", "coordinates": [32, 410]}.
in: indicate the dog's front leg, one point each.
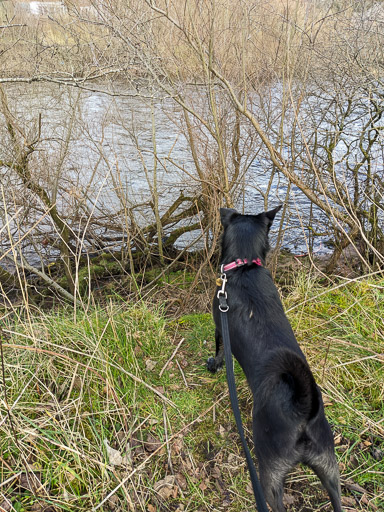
{"type": "Point", "coordinates": [215, 363]}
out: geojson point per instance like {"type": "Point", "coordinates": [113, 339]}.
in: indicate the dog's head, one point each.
{"type": "Point", "coordinates": [245, 236]}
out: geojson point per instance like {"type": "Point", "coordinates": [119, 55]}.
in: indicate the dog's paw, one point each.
{"type": "Point", "coordinates": [212, 365]}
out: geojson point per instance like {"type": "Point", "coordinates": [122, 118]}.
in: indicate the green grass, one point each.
{"type": "Point", "coordinates": [341, 331]}
{"type": "Point", "coordinates": [76, 380]}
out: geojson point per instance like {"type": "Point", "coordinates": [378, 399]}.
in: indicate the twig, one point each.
{"type": "Point", "coordinates": [10, 479]}
{"type": "Point", "coordinates": [45, 277]}
{"type": "Point", "coordinates": [182, 374]}
{"type": "Point", "coordinates": [378, 357]}
{"type": "Point", "coordinates": [172, 356]}
{"type": "Point", "coordinates": [167, 440]}
{"type": "Point", "coordinates": [72, 383]}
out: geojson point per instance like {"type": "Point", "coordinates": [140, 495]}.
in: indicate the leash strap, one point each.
{"type": "Point", "coordinates": [257, 490]}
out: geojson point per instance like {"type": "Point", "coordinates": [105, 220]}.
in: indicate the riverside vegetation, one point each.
{"type": "Point", "coordinates": [270, 102]}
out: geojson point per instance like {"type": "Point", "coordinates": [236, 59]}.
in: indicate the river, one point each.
{"type": "Point", "coordinates": [96, 146]}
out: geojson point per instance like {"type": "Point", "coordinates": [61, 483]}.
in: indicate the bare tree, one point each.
{"type": "Point", "coordinates": [271, 99]}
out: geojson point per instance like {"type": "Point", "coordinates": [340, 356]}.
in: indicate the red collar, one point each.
{"type": "Point", "coordinates": [239, 263]}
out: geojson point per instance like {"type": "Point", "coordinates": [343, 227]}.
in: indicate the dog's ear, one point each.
{"type": "Point", "coordinates": [272, 213]}
{"type": "Point", "coordinates": [226, 214]}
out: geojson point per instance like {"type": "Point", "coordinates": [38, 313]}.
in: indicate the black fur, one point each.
{"type": "Point", "coordinates": [289, 424]}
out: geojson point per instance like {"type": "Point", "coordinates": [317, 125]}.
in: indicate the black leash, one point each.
{"type": "Point", "coordinates": [223, 307]}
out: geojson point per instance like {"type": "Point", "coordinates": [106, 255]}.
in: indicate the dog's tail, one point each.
{"type": "Point", "coordinates": [286, 384]}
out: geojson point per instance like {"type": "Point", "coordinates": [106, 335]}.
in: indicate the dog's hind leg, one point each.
{"type": "Point", "coordinates": [215, 363]}
{"type": "Point", "coordinates": [324, 464]}
{"type": "Point", "coordinates": [326, 468]}
{"type": "Point", "coordinates": [272, 482]}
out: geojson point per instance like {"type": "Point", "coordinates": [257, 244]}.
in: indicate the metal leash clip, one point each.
{"type": "Point", "coordinates": [222, 294]}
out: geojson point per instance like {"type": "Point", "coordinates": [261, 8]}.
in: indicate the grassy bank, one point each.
{"type": "Point", "coordinates": [111, 408]}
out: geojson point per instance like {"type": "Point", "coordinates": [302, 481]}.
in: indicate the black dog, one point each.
{"type": "Point", "coordinates": [289, 425]}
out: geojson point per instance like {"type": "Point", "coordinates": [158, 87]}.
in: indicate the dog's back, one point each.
{"type": "Point", "coordinates": [289, 424]}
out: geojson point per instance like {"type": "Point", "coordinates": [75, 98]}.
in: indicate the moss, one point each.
{"type": "Point", "coordinates": [178, 278]}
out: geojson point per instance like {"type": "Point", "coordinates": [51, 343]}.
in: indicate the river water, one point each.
{"type": "Point", "coordinates": [100, 147]}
